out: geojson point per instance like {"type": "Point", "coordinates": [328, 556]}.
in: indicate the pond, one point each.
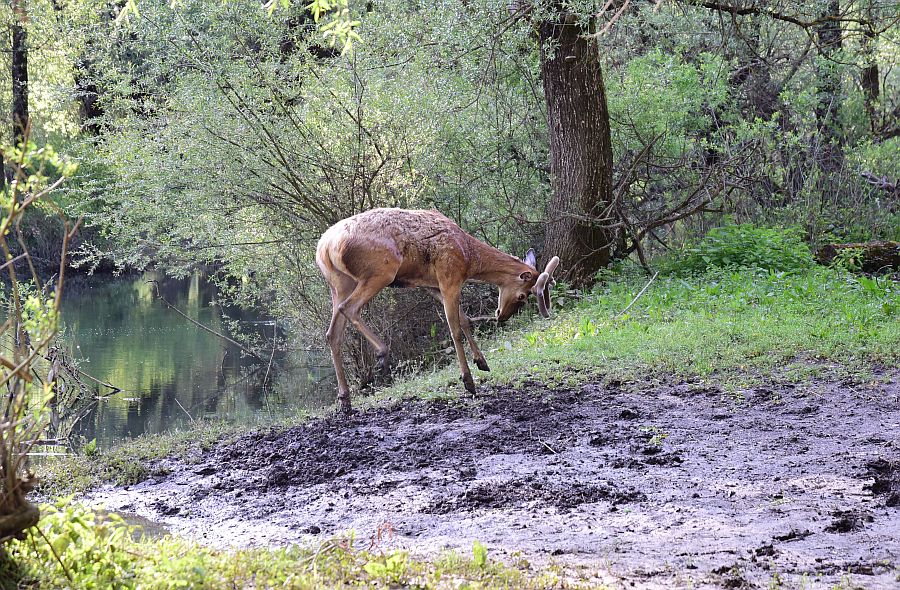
{"type": "Point", "coordinates": [171, 371]}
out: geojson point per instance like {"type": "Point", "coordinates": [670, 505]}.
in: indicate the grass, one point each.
{"type": "Point", "coordinates": [83, 550]}
{"type": "Point", "coordinates": [127, 463]}
{"type": "Point", "coordinates": [722, 324]}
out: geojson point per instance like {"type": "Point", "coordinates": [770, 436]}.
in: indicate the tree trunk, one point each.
{"type": "Point", "coordinates": [828, 93]}
{"type": "Point", "coordinates": [580, 150]}
{"type": "Point", "coordinates": [870, 80]}
{"type": "Point", "coordinates": [87, 95]}
{"type": "Point", "coordinates": [19, 72]}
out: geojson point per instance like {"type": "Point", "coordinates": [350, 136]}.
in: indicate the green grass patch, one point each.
{"type": "Point", "coordinates": [721, 324]}
{"type": "Point", "coordinates": [127, 463]}
{"type": "Point", "coordinates": [80, 549]}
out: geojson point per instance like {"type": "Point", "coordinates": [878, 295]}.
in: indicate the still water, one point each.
{"type": "Point", "coordinates": [170, 371]}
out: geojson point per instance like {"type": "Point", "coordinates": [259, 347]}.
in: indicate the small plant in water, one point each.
{"type": "Point", "coordinates": [90, 448]}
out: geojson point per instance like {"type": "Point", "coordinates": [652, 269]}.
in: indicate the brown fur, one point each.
{"type": "Point", "coordinates": [361, 255]}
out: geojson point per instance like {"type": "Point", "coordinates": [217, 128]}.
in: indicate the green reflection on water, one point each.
{"type": "Point", "coordinates": [171, 371]}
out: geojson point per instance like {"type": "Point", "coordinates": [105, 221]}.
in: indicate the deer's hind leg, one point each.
{"type": "Point", "coordinates": [351, 307]}
{"type": "Point", "coordinates": [341, 287]}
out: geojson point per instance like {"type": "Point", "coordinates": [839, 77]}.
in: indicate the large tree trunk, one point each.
{"type": "Point", "coordinates": [19, 72]}
{"type": "Point", "coordinates": [580, 150]}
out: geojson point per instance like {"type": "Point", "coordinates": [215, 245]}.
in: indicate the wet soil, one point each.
{"type": "Point", "coordinates": [661, 485]}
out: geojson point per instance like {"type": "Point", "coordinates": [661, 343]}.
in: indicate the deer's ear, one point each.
{"type": "Point", "coordinates": [530, 259]}
{"type": "Point", "coordinates": [526, 276]}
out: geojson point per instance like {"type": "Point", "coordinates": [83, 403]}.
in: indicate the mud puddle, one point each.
{"type": "Point", "coordinates": [664, 486]}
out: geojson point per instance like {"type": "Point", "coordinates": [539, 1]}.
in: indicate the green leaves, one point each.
{"type": "Point", "coordinates": [340, 28]}
{"type": "Point", "coordinates": [746, 246]}
{"type": "Point", "coordinates": [391, 568]}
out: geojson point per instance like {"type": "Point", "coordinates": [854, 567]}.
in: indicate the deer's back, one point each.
{"type": "Point", "coordinates": [419, 244]}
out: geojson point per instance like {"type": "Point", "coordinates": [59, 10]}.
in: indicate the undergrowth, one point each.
{"type": "Point", "coordinates": [77, 548]}
{"type": "Point", "coordinates": [746, 246]}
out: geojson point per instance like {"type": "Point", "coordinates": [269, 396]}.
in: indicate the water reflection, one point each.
{"type": "Point", "coordinates": [171, 371]}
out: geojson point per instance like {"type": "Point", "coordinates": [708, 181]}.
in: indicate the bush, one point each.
{"type": "Point", "coordinates": [747, 246]}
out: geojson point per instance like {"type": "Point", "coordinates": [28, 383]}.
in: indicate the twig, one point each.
{"type": "Point", "coordinates": [55, 554]}
{"type": "Point", "coordinates": [70, 367]}
{"type": "Point", "coordinates": [638, 296]}
{"type": "Point", "coordinates": [12, 261]}
{"type": "Point", "coordinates": [199, 325]}
{"type": "Point", "coordinates": [549, 448]}
{"type": "Point", "coordinates": [183, 410]}
{"type": "Point", "coordinates": [272, 356]}
{"type": "Point", "coordinates": [483, 318]}
{"type": "Point", "coordinates": [98, 381]}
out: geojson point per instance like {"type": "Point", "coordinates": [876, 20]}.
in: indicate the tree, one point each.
{"type": "Point", "coordinates": [828, 92]}
{"type": "Point", "coordinates": [19, 71]}
{"type": "Point", "coordinates": [580, 148]}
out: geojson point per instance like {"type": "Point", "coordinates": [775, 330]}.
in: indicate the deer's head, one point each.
{"type": "Point", "coordinates": [514, 294]}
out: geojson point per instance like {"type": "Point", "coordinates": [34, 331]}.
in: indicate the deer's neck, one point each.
{"type": "Point", "coordinates": [493, 266]}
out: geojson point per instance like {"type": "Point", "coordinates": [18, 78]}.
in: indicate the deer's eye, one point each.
{"type": "Point", "coordinates": [522, 296]}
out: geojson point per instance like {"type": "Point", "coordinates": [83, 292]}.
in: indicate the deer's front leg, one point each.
{"type": "Point", "coordinates": [451, 310]}
{"type": "Point", "coordinates": [466, 326]}
{"type": "Point", "coordinates": [477, 355]}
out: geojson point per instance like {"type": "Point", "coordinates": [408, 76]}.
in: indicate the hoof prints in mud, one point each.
{"type": "Point", "coordinates": [719, 492]}
{"type": "Point", "coordinates": [887, 481]}
{"type": "Point", "coordinates": [848, 521]}
{"type": "Point", "coordinates": [519, 493]}
{"type": "Point", "coordinates": [416, 435]}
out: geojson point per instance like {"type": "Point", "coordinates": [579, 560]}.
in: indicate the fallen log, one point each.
{"type": "Point", "coordinates": [868, 256]}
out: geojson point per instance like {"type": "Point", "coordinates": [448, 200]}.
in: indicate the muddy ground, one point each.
{"type": "Point", "coordinates": [667, 485]}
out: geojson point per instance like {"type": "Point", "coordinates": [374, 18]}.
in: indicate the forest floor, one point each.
{"type": "Point", "coordinates": [667, 483]}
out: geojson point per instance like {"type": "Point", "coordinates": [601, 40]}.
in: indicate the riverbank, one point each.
{"type": "Point", "coordinates": [734, 429]}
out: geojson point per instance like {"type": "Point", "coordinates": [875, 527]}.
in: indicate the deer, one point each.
{"type": "Point", "coordinates": [405, 248]}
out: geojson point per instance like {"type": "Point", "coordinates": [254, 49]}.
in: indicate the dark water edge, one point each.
{"type": "Point", "coordinates": [170, 371]}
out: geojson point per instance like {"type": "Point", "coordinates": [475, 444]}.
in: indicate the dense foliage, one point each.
{"type": "Point", "coordinates": [746, 246]}
{"type": "Point", "coordinates": [220, 133]}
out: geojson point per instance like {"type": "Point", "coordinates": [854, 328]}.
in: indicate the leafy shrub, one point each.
{"type": "Point", "coordinates": [746, 246]}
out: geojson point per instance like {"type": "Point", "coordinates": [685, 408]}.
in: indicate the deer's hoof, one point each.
{"type": "Point", "coordinates": [383, 368]}
{"type": "Point", "coordinates": [469, 383]}
{"type": "Point", "coordinates": [482, 364]}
